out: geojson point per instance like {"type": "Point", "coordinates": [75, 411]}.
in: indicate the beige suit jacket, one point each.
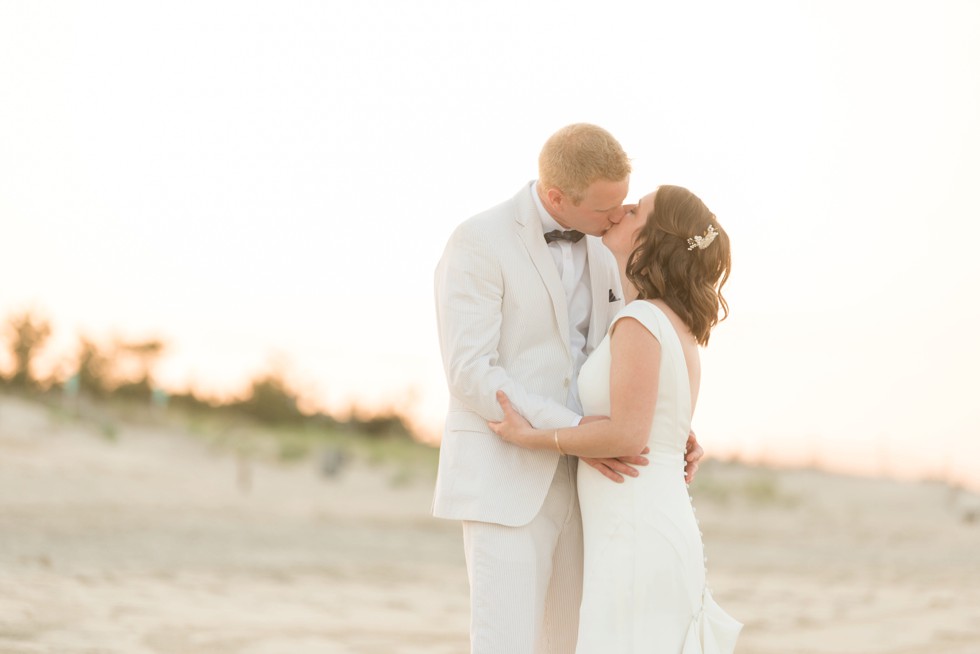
{"type": "Point", "coordinates": [503, 325]}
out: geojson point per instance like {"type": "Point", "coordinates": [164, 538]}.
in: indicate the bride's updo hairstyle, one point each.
{"type": "Point", "coordinates": [671, 260]}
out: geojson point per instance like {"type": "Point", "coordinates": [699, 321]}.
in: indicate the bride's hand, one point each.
{"type": "Point", "coordinates": [513, 428]}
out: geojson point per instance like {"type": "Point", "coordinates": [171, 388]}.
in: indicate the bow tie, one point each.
{"type": "Point", "coordinates": [556, 235]}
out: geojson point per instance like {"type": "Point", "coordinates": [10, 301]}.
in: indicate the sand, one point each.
{"type": "Point", "coordinates": [146, 542]}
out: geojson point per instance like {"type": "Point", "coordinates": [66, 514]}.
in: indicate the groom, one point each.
{"type": "Point", "coordinates": [522, 297]}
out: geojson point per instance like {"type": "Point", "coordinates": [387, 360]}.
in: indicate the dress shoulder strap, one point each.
{"type": "Point", "coordinates": [646, 314]}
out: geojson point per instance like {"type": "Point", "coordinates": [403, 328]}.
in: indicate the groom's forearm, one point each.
{"type": "Point", "coordinates": [476, 385]}
{"type": "Point", "coordinates": [474, 377]}
{"type": "Point", "coordinates": [469, 291]}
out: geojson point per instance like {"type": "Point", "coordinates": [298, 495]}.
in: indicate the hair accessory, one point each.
{"type": "Point", "coordinates": [701, 242]}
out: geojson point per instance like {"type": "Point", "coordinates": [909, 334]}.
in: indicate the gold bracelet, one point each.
{"type": "Point", "coordinates": [557, 444]}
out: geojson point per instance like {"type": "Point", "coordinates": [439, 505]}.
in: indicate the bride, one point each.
{"type": "Point", "coordinates": [644, 578]}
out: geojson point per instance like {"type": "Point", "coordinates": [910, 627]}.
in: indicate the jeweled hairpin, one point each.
{"type": "Point", "coordinates": [701, 242]}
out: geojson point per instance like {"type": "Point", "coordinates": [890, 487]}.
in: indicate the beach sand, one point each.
{"type": "Point", "coordinates": [142, 539]}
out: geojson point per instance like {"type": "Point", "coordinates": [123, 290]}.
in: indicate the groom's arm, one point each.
{"type": "Point", "coordinates": [469, 297]}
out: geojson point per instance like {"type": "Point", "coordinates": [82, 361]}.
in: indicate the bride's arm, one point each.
{"type": "Point", "coordinates": [634, 376]}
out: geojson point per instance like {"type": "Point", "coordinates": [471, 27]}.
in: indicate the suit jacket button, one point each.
{"type": "Point", "coordinates": [567, 382]}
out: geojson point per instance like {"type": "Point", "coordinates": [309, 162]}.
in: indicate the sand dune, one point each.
{"type": "Point", "coordinates": [145, 543]}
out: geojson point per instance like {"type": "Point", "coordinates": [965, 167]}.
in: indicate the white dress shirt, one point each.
{"type": "Point", "coordinates": [572, 262]}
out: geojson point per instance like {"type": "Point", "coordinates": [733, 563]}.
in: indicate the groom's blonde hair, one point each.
{"type": "Point", "coordinates": [578, 155]}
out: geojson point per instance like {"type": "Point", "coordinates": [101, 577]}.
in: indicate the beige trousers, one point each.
{"type": "Point", "coordinates": [526, 582]}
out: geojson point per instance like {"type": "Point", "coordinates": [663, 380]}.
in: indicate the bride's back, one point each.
{"type": "Point", "coordinates": [689, 345]}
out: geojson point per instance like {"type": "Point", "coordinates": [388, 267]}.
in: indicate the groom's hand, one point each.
{"type": "Point", "coordinates": [692, 457]}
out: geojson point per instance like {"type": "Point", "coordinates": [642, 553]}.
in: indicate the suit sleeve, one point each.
{"type": "Point", "coordinates": [469, 291]}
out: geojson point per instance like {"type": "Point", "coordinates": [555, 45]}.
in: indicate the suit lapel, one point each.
{"type": "Point", "coordinates": [599, 279]}
{"type": "Point", "coordinates": [532, 234]}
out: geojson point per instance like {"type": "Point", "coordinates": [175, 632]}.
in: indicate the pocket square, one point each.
{"type": "Point", "coordinates": [612, 296]}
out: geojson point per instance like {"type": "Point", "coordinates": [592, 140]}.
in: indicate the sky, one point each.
{"type": "Point", "coordinates": [273, 182]}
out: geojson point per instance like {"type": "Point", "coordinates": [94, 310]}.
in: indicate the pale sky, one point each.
{"type": "Point", "coordinates": [260, 179]}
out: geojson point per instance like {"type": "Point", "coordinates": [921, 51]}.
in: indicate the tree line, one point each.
{"type": "Point", "coordinates": [124, 369]}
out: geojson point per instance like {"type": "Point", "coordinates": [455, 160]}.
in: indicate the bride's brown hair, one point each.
{"type": "Point", "coordinates": [662, 267]}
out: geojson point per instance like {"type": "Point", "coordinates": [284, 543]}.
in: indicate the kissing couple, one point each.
{"type": "Point", "coordinates": [569, 325]}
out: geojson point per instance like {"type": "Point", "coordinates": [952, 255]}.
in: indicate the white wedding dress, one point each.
{"type": "Point", "coordinates": [644, 579]}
